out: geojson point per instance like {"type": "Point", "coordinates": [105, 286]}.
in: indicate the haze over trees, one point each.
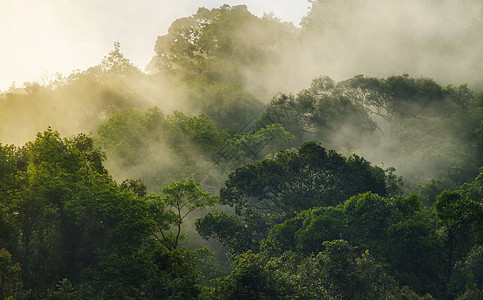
{"type": "Point", "coordinates": [255, 160]}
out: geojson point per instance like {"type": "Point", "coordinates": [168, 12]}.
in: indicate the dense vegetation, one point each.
{"type": "Point", "coordinates": [210, 194]}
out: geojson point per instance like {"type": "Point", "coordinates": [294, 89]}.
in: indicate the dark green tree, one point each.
{"type": "Point", "coordinates": [460, 219]}
{"type": "Point", "coordinates": [342, 272]}
{"type": "Point", "coordinates": [414, 254]}
{"type": "Point", "coordinates": [467, 281]}
{"type": "Point", "coordinates": [272, 190]}
{"type": "Point", "coordinates": [338, 271]}
{"type": "Point", "coordinates": [77, 233]}
{"type": "Point", "coordinates": [302, 179]}
{"type": "Point", "coordinates": [254, 277]}
{"type": "Point", "coordinates": [306, 233]}
{"type": "Point", "coordinates": [10, 282]}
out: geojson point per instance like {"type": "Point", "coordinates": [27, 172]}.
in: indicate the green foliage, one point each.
{"type": "Point", "coordinates": [218, 44]}
{"type": "Point", "coordinates": [281, 110]}
{"type": "Point", "coordinates": [394, 183]}
{"type": "Point", "coordinates": [136, 186]}
{"type": "Point", "coordinates": [283, 237]}
{"type": "Point", "coordinates": [178, 201]}
{"type": "Point", "coordinates": [290, 218]}
{"type": "Point", "coordinates": [414, 252]}
{"type": "Point", "coordinates": [251, 147]}
{"type": "Point", "coordinates": [81, 221]}
{"type": "Point", "coordinates": [73, 104]}
{"type": "Point", "coordinates": [236, 233]}
{"type": "Point", "coordinates": [342, 273]}
{"type": "Point", "coordinates": [460, 220]}
{"type": "Point", "coordinates": [430, 191]}
{"type": "Point", "coordinates": [160, 148]}
{"type": "Point", "coordinates": [306, 233]}
{"type": "Point", "coordinates": [427, 131]}
{"type": "Point", "coordinates": [398, 98]}
{"type": "Point", "coordinates": [228, 104]}
{"type": "Point", "coordinates": [66, 212]}
{"type": "Point", "coordinates": [321, 112]}
{"type": "Point", "coordinates": [297, 180]}
{"type": "Point", "coordinates": [123, 133]}
{"type": "Point", "coordinates": [338, 271]}
{"type": "Point", "coordinates": [116, 64]}
{"type": "Point", "coordinates": [65, 290]}
{"type": "Point", "coordinates": [396, 231]}
{"type": "Point", "coordinates": [443, 148]}
{"type": "Point", "coordinates": [474, 190]}
{"type": "Point", "coordinates": [78, 234]}
{"type": "Point", "coordinates": [253, 278]}
{"type": "Point", "coordinates": [9, 182]}
{"type": "Point", "coordinates": [272, 190]}
{"type": "Point", "coordinates": [398, 234]}
{"type": "Point", "coordinates": [326, 224]}
{"type": "Point", "coordinates": [369, 214]}
{"type": "Point", "coordinates": [10, 282]}
{"type": "Point", "coordinates": [468, 275]}
{"type": "Point", "coordinates": [174, 274]}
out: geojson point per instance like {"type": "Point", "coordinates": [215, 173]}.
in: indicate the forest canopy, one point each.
{"type": "Point", "coordinates": [234, 169]}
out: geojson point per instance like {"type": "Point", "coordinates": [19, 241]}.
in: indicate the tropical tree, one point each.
{"type": "Point", "coordinates": [170, 210]}
{"type": "Point", "coordinates": [460, 219]}
{"type": "Point", "coordinates": [272, 190]}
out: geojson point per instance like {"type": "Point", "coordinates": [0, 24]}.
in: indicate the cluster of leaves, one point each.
{"type": "Point", "coordinates": [268, 192]}
{"type": "Point", "coordinates": [228, 104]}
{"type": "Point", "coordinates": [218, 44]}
{"type": "Point", "coordinates": [447, 149]}
{"type": "Point", "coordinates": [68, 230]}
{"type": "Point", "coordinates": [429, 131]}
{"type": "Point", "coordinates": [364, 104]}
{"type": "Point", "coordinates": [337, 272]}
{"type": "Point", "coordinates": [323, 112]}
{"type": "Point", "coordinates": [160, 148]}
{"type": "Point", "coordinates": [319, 254]}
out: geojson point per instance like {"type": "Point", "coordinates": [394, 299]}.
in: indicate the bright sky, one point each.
{"type": "Point", "coordinates": [42, 37]}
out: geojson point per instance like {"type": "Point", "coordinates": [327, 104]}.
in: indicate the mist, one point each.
{"type": "Point", "coordinates": [359, 128]}
{"type": "Point", "coordinates": [436, 39]}
{"type": "Point", "coordinates": [234, 63]}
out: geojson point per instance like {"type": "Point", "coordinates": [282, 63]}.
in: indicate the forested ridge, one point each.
{"type": "Point", "coordinates": [221, 174]}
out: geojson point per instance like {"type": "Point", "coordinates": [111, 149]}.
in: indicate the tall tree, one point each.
{"type": "Point", "coordinates": [170, 210]}
{"type": "Point", "coordinates": [272, 190]}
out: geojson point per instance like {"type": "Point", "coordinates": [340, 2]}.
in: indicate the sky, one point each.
{"type": "Point", "coordinates": [39, 38]}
